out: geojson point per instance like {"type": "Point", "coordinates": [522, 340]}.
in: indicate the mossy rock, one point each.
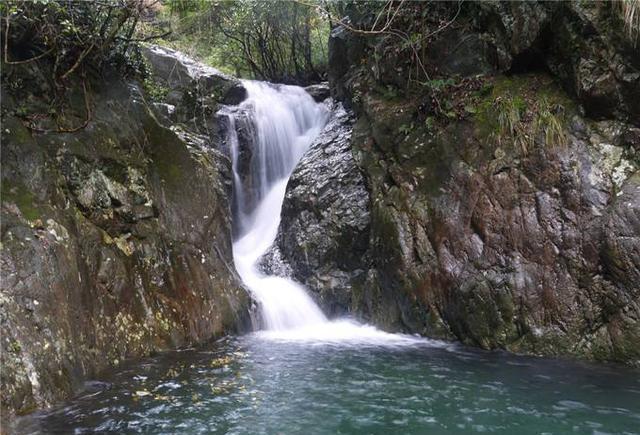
{"type": "Point", "coordinates": [23, 198]}
{"type": "Point", "coordinates": [517, 109]}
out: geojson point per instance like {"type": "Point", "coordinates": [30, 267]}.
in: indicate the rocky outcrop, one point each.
{"type": "Point", "coordinates": [182, 73]}
{"type": "Point", "coordinates": [116, 240]}
{"type": "Point", "coordinates": [324, 231]}
{"type": "Point", "coordinates": [583, 44]}
{"type": "Point", "coordinates": [191, 92]}
{"type": "Point", "coordinates": [503, 210]}
{"type": "Point", "coordinates": [319, 92]}
{"type": "Point", "coordinates": [504, 249]}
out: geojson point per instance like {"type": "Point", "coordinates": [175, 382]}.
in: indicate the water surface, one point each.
{"type": "Point", "coordinates": [258, 384]}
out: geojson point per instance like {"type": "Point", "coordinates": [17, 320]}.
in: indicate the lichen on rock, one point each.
{"type": "Point", "coordinates": [116, 243]}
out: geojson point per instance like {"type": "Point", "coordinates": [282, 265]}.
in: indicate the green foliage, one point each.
{"type": "Point", "coordinates": [282, 41]}
{"type": "Point", "coordinates": [389, 92]}
{"type": "Point", "coordinates": [524, 119]}
{"type": "Point", "coordinates": [430, 123]}
{"type": "Point", "coordinates": [405, 129]}
{"type": "Point", "coordinates": [438, 84]}
{"type": "Point", "coordinates": [15, 347]}
{"type": "Point", "coordinates": [509, 115]}
{"type": "Point", "coordinates": [72, 36]}
{"type": "Point", "coordinates": [549, 123]}
{"type": "Point", "coordinates": [184, 7]}
{"type": "Point", "coordinates": [154, 90]}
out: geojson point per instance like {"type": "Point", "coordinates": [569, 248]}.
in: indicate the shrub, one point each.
{"type": "Point", "coordinates": [73, 37]}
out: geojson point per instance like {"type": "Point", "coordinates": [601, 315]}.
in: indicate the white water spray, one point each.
{"type": "Point", "coordinates": [284, 122]}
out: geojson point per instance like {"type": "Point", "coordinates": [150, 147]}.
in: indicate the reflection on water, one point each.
{"type": "Point", "coordinates": [260, 385]}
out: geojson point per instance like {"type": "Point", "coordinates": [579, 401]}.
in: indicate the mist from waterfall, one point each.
{"type": "Point", "coordinates": [282, 123]}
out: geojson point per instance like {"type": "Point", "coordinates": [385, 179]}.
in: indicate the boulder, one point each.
{"type": "Point", "coordinates": [513, 242]}
{"type": "Point", "coordinates": [319, 92]}
{"type": "Point", "coordinates": [324, 228]}
{"type": "Point", "coordinates": [180, 71]}
{"type": "Point", "coordinates": [196, 91]}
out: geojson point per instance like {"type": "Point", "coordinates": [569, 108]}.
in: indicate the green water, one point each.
{"type": "Point", "coordinates": [254, 385]}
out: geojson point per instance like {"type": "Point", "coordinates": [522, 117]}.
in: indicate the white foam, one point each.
{"type": "Point", "coordinates": [342, 331]}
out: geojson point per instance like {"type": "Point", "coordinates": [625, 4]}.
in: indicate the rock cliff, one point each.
{"type": "Point", "coordinates": [498, 203]}
{"type": "Point", "coordinates": [116, 238]}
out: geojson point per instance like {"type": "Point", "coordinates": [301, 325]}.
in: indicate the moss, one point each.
{"type": "Point", "coordinates": [22, 198]}
{"type": "Point", "coordinates": [169, 153]}
{"type": "Point", "coordinates": [386, 230]}
{"type": "Point", "coordinates": [155, 90]}
{"type": "Point", "coordinates": [115, 170]}
{"type": "Point", "coordinates": [15, 347]}
{"type": "Point", "coordinates": [20, 134]}
{"type": "Point", "coordinates": [27, 409]}
{"type": "Point", "coordinates": [168, 170]}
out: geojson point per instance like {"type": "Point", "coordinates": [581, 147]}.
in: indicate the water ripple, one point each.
{"type": "Point", "coordinates": [259, 385]}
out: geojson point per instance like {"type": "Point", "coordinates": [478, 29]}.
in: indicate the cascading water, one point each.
{"type": "Point", "coordinates": [283, 122]}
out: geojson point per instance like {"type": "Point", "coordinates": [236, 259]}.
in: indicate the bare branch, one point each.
{"type": "Point", "coordinates": [6, 49]}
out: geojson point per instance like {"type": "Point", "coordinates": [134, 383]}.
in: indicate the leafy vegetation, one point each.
{"type": "Point", "coordinates": [60, 49]}
{"type": "Point", "coordinates": [549, 122]}
{"type": "Point", "coordinates": [281, 41]}
{"type": "Point", "coordinates": [525, 113]}
{"type": "Point", "coordinates": [73, 37]}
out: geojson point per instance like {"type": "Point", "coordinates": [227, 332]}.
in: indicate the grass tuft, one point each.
{"type": "Point", "coordinates": [630, 13]}
{"type": "Point", "coordinates": [549, 123]}
{"type": "Point", "coordinates": [523, 125]}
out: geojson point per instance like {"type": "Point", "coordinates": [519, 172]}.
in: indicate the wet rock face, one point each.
{"type": "Point", "coordinates": [533, 253]}
{"type": "Point", "coordinates": [324, 231]}
{"type": "Point", "coordinates": [116, 242]}
{"type": "Point", "coordinates": [246, 169]}
{"type": "Point", "coordinates": [319, 92]}
{"type": "Point", "coordinates": [471, 235]}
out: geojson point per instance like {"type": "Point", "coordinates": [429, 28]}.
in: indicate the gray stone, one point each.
{"type": "Point", "coordinates": [180, 71]}
{"type": "Point", "coordinates": [324, 229]}
{"type": "Point", "coordinates": [319, 92]}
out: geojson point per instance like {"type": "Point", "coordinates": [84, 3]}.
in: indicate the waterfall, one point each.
{"type": "Point", "coordinates": [278, 123]}
{"type": "Point", "coordinates": [284, 120]}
